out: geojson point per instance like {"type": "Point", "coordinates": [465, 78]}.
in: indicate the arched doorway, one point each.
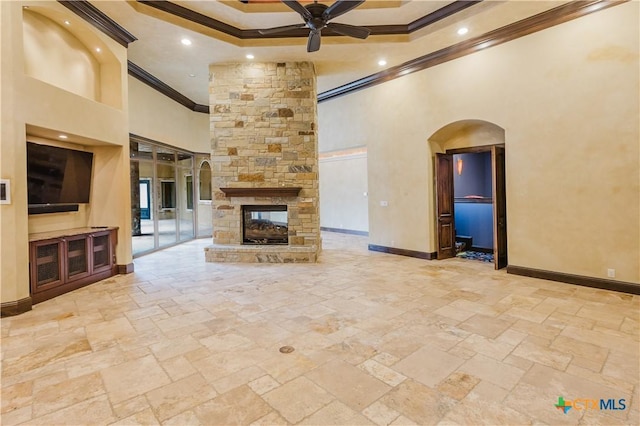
{"type": "Point", "coordinates": [470, 201]}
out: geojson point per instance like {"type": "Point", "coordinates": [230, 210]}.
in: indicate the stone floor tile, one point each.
{"type": "Point", "coordinates": [92, 411]}
{"type": "Point", "coordinates": [490, 347]}
{"type": "Point", "coordinates": [238, 406]}
{"type": "Point", "coordinates": [386, 359]}
{"type": "Point", "coordinates": [263, 384]}
{"type": "Point", "coordinates": [542, 384]}
{"type": "Point", "coordinates": [485, 413]}
{"type": "Point", "coordinates": [417, 402]}
{"type": "Point", "coordinates": [428, 365]}
{"type": "Point", "coordinates": [64, 394]}
{"type": "Point", "coordinates": [297, 399]}
{"type": "Point", "coordinates": [286, 367]}
{"type": "Point", "coordinates": [186, 418]}
{"type": "Point", "coordinates": [350, 384]}
{"type": "Point", "coordinates": [169, 348]}
{"type": "Point", "coordinates": [455, 313]}
{"type": "Point", "coordinates": [403, 421]}
{"type": "Point", "coordinates": [238, 378]}
{"type": "Point", "coordinates": [485, 326]}
{"type": "Point", "coordinates": [130, 407]}
{"type": "Point", "coordinates": [133, 378]}
{"type": "Point", "coordinates": [380, 414]}
{"type": "Point", "coordinates": [142, 418]}
{"type": "Point", "coordinates": [493, 371]}
{"type": "Point", "coordinates": [487, 391]}
{"type": "Point", "coordinates": [543, 355]}
{"type": "Point", "coordinates": [335, 413]}
{"type": "Point", "coordinates": [271, 419]}
{"type": "Point", "coordinates": [382, 373]}
{"type": "Point", "coordinates": [148, 335]}
{"type": "Point", "coordinates": [105, 334]}
{"type": "Point", "coordinates": [16, 396]}
{"type": "Point", "coordinates": [17, 416]}
{"type": "Point", "coordinates": [458, 385]}
{"type": "Point", "coordinates": [178, 368]}
{"type": "Point", "coordinates": [170, 400]}
{"type": "Point", "coordinates": [516, 361]}
{"type": "Point", "coordinates": [622, 366]}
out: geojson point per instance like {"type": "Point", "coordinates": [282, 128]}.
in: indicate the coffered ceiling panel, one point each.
{"type": "Point", "coordinates": [159, 51]}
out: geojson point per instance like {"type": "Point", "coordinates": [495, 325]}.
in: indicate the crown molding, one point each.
{"type": "Point", "coordinates": [539, 22]}
{"type": "Point", "coordinates": [98, 19]}
{"type": "Point", "coordinates": [242, 34]}
{"type": "Point", "coordinates": [164, 88]}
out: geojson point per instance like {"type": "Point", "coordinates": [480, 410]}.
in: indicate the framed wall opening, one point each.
{"type": "Point", "coordinates": [163, 194]}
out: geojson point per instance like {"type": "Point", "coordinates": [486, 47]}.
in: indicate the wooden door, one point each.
{"type": "Point", "coordinates": [499, 207]}
{"type": "Point", "coordinates": [444, 206]}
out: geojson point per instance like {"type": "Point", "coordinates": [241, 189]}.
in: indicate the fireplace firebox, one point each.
{"type": "Point", "coordinates": [264, 224]}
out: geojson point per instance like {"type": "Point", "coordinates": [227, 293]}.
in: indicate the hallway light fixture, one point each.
{"type": "Point", "coordinates": [459, 166]}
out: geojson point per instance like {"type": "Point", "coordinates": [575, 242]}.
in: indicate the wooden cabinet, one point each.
{"type": "Point", "coordinates": [66, 260]}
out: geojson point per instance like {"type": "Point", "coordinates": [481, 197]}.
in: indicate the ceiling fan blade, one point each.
{"type": "Point", "coordinates": [340, 7]}
{"type": "Point", "coordinates": [349, 30]}
{"type": "Point", "coordinates": [284, 28]}
{"type": "Point", "coordinates": [313, 44]}
{"type": "Point", "coordinates": [293, 4]}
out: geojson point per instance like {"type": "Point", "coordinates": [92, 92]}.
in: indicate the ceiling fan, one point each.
{"type": "Point", "coordinates": [316, 17]}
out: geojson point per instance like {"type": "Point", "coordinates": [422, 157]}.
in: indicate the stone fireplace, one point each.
{"type": "Point", "coordinates": [265, 224]}
{"type": "Point", "coordinates": [264, 163]}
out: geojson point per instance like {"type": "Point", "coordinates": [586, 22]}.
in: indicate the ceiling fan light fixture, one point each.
{"type": "Point", "coordinates": [317, 17]}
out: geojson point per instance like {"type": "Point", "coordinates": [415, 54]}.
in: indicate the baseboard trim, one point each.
{"type": "Point", "coordinates": [404, 252]}
{"type": "Point", "coordinates": [482, 249]}
{"type": "Point", "coordinates": [582, 280]}
{"type": "Point", "coordinates": [17, 307]}
{"type": "Point", "coordinates": [125, 269]}
{"type": "Point", "coordinates": [344, 231]}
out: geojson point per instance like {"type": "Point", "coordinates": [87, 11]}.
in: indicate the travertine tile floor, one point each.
{"type": "Point", "coordinates": [379, 339]}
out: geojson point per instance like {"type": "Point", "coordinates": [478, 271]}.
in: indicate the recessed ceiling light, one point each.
{"type": "Point", "coordinates": [249, 56]}
{"type": "Point", "coordinates": [463, 31]}
{"type": "Point", "coordinates": [382, 62]}
{"type": "Point", "coordinates": [67, 23]}
{"type": "Point", "coordinates": [186, 42]}
{"type": "Point", "coordinates": [192, 75]}
{"type": "Point", "coordinates": [98, 50]}
{"type": "Point", "coordinates": [63, 136]}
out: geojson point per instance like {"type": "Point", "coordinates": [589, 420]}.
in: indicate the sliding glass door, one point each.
{"type": "Point", "coordinates": [162, 196]}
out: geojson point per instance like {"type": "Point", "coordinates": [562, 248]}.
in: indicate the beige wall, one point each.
{"type": "Point", "coordinates": [567, 99]}
{"type": "Point", "coordinates": [55, 56]}
{"type": "Point", "coordinates": [343, 191]}
{"type": "Point", "coordinates": [38, 108]}
{"type": "Point", "coordinates": [161, 119]}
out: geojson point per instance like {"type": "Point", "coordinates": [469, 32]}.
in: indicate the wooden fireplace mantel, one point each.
{"type": "Point", "coordinates": [277, 191]}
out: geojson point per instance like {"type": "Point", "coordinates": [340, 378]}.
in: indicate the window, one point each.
{"type": "Point", "coordinates": [189, 181]}
{"type": "Point", "coordinates": [205, 182]}
{"type": "Point", "coordinates": [168, 189]}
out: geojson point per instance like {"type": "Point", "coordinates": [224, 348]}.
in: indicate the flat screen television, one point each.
{"type": "Point", "coordinates": [57, 177]}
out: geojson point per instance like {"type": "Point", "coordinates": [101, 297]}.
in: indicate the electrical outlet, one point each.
{"type": "Point", "coordinates": [611, 273]}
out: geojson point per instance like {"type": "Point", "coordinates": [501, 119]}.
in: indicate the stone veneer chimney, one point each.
{"type": "Point", "coordinates": [263, 141]}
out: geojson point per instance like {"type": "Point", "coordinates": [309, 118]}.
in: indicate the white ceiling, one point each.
{"type": "Point", "coordinates": [340, 60]}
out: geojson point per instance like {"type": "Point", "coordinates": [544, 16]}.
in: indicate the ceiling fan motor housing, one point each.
{"type": "Point", "coordinates": [318, 22]}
